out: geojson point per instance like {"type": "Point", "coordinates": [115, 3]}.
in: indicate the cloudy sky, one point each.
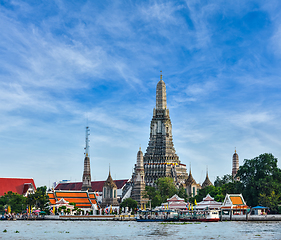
{"type": "Point", "coordinates": [64, 64]}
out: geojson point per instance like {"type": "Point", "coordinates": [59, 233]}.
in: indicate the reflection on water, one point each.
{"type": "Point", "coordinates": [135, 230]}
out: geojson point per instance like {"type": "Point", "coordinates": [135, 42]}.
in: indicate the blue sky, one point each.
{"type": "Point", "coordinates": [63, 62]}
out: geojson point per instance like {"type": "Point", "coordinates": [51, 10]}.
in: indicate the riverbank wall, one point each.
{"type": "Point", "coordinates": [271, 217]}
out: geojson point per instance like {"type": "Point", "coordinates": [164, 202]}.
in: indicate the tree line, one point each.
{"type": "Point", "coordinates": [259, 182]}
{"type": "Point", "coordinates": [18, 203]}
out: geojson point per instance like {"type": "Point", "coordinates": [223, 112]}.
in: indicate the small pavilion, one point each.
{"type": "Point", "coordinates": [234, 204]}
{"type": "Point", "coordinates": [175, 202]}
{"type": "Point", "coordinates": [208, 203]}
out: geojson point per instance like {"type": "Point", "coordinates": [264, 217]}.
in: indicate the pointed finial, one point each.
{"type": "Point", "coordinates": [235, 149]}
{"type": "Point", "coordinates": [140, 148]}
{"type": "Point", "coordinates": [189, 168]}
{"type": "Point", "coordinates": [207, 171]}
{"type": "Point", "coordinates": [160, 75]}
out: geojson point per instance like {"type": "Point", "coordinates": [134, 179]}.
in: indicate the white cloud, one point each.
{"type": "Point", "coordinates": [248, 119]}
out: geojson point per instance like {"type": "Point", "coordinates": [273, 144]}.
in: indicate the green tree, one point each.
{"type": "Point", "coordinates": [166, 188]}
{"type": "Point", "coordinates": [270, 201]}
{"type": "Point", "coordinates": [39, 199]}
{"type": "Point", "coordinates": [153, 195]}
{"type": "Point", "coordinates": [259, 178]}
{"type": "Point", "coordinates": [16, 201]}
{"type": "Point", "coordinates": [227, 178]}
{"type": "Point", "coordinates": [130, 203]}
{"type": "Point", "coordinates": [215, 192]}
{"type": "Point", "coordinates": [182, 193]}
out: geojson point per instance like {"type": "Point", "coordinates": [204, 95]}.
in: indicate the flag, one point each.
{"type": "Point", "coordinates": [191, 206]}
{"type": "Point", "coordinates": [110, 209]}
{"type": "Point", "coordinates": [195, 202]}
{"type": "Point", "coordinates": [9, 209]}
{"type": "Point", "coordinates": [26, 209]}
{"type": "Point", "coordinates": [186, 206]}
{"type": "Point", "coordinates": [54, 210]}
{"type": "Point", "coordinates": [106, 210]}
{"type": "Point", "coordinates": [144, 206]}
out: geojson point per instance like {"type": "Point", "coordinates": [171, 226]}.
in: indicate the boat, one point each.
{"type": "Point", "coordinates": [157, 216]}
{"type": "Point", "coordinates": [206, 215]}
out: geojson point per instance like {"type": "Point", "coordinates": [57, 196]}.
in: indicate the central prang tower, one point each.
{"type": "Point", "coordinates": [160, 159]}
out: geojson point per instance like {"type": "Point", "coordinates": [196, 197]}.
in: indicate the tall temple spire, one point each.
{"type": "Point", "coordinates": [86, 179]}
{"type": "Point", "coordinates": [160, 154]}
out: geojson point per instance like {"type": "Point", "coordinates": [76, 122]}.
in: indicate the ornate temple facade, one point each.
{"type": "Point", "coordinates": [138, 181]}
{"type": "Point", "coordinates": [192, 187]}
{"type": "Point", "coordinates": [160, 159]}
{"type": "Point", "coordinates": [109, 192]}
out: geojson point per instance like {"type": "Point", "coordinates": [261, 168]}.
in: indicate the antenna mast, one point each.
{"type": "Point", "coordinates": [87, 141]}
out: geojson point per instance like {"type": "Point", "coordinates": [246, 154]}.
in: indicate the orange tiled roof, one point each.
{"type": "Point", "coordinates": [83, 205]}
{"type": "Point", "coordinates": [64, 194]}
{"type": "Point", "coordinates": [81, 199]}
{"type": "Point", "coordinates": [76, 200]}
{"type": "Point", "coordinates": [52, 198]}
{"type": "Point", "coordinates": [92, 195]}
{"type": "Point", "coordinates": [236, 200]}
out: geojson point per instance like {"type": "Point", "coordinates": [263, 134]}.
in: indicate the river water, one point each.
{"type": "Point", "coordinates": [137, 230]}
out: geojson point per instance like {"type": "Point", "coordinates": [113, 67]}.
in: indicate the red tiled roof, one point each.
{"type": "Point", "coordinates": [96, 185]}
{"type": "Point", "coordinates": [16, 185]}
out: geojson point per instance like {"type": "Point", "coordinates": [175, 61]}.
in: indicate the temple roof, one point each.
{"type": "Point", "coordinates": [208, 202]}
{"type": "Point", "coordinates": [175, 198]}
{"type": "Point", "coordinates": [234, 201]}
{"type": "Point", "coordinates": [109, 182]}
{"type": "Point", "coordinates": [207, 182]}
{"type": "Point", "coordinates": [96, 185]}
{"type": "Point", "coordinates": [82, 199]}
{"type": "Point", "coordinates": [190, 180]}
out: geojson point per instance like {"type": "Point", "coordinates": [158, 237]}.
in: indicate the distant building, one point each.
{"type": "Point", "coordinates": [234, 204]}
{"type": "Point", "coordinates": [160, 159]}
{"type": "Point", "coordinates": [192, 187]}
{"type": "Point", "coordinates": [97, 187]}
{"type": "Point", "coordinates": [175, 203]}
{"type": "Point", "coordinates": [208, 203]}
{"type": "Point", "coordinates": [22, 186]}
{"type": "Point", "coordinates": [109, 195]}
{"type": "Point", "coordinates": [235, 165]}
